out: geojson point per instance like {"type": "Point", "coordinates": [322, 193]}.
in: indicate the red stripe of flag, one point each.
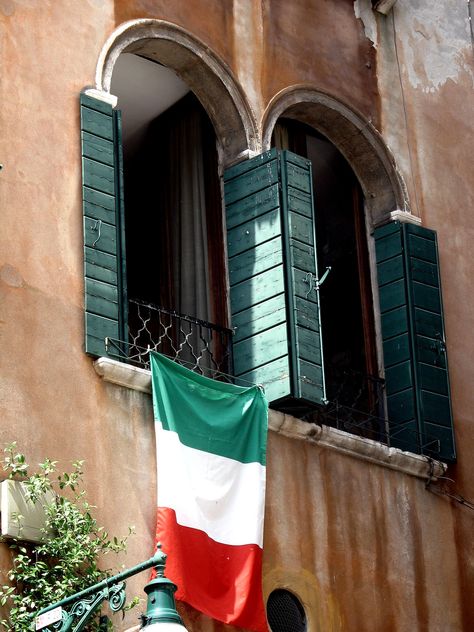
{"type": "Point", "coordinates": [221, 580]}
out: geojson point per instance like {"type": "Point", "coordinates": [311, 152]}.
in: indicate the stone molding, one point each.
{"type": "Point", "coordinates": [123, 374]}
{"type": "Point", "coordinates": [323, 436]}
{"type": "Point", "coordinates": [383, 6]}
{"type": "Point", "coordinates": [403, 216]}
{"type": "Point", "coordinates": [100, 95]}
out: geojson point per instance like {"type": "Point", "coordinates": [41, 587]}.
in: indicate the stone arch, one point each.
{"type": "Point", "coordinates": [206, 74]}
{"type": "Point", "coordinates": [355, 137]}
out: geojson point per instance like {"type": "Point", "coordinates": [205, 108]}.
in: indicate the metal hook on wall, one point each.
{"type": "Point", "coordinates": [97, 226]}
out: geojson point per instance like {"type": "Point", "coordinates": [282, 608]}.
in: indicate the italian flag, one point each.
{"type": "Point", "coordinates": [211, 447]}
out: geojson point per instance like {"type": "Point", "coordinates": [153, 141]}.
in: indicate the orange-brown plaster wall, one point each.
{"type": "Point", "coordinates": [208, 20]}
{"type": "Point", "coordinates": [51, 400]}
{"type": "Point", "coordinates": [426, 79]}
{"type": "Point", "coordinates": [367, 548]}
{"type": "Point", "coordinates": [364, 547]}
{"type": "Point", "coordinates": [320, 44]}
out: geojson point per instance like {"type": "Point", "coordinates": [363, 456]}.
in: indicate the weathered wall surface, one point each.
{"type": "Point", "coordinates": [426, 78]}
{"type": "Point", "coordinates": [51, 401]}
{"type": "Point", "coordinates": [365, 548]}
{"type": "Point", "coordinates": [273, 44]}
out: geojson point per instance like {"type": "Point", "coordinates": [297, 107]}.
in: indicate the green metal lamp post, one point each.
{"type": "Point", "coordinates": [161, 614]}
{"type": "Point", "coordinates": [73, 613]}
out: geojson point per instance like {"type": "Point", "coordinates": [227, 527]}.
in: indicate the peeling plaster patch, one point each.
{"type": "Point", "coordinates": [11, 276]}
{"type": "Point", "coordinates": [363, 11]}
{"type": "Point", "coordinates": [435, 38]}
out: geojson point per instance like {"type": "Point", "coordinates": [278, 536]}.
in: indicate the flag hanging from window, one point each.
{"type": "Point", "coordinates": [211, 456]}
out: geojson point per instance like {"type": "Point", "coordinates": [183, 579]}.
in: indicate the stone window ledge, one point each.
{"type": "Point", "coordinates": [324, 436]}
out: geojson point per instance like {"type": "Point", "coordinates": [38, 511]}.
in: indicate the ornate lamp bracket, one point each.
{"type": "Point", "coordinates": [73, 613]}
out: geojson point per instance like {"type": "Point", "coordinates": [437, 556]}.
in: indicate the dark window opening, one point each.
{"type": "Point", "coordinates": [173, 215]}
{"type": "Point", "coordinates": [174, 240]}
{"type": "Point", "coordinates": [285, 613]}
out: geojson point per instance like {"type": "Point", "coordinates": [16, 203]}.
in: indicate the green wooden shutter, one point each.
{"type": "Point", "coordinates": [416, 370]}
{"type": "Point", "coordinates": [104, 260]}
{"type": "Point", "coordinates": [272, 273]}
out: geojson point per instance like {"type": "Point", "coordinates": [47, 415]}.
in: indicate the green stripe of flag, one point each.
{"type": "Point", "coordinates": [208, 415]}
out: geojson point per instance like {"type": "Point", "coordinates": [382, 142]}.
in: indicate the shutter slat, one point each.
{"type": "Point", "coordinates": [100, 266]}
{"type": "Point", "coordinates": [396, 350]}
{"type": "Point", "coordinates": [256, 260]}
{"type": "Point", "coordinates": [259, 317]}
{"type": "Point", "coordinates": [99, 176]}
{"type": "Point", "coordinates": [260, 349]}
{"type": "Point", "coordinates": [252, 233]}
{"type": "Point", "coordinates": [257, 289]}
{"type": "Point", "coordinates": [302, 256]}
{"type": "Point", "coordinates": [99, 205]}
{"type": "Point", "coordinates": [298, 176]}
{"type": "Point", "coordinates": [100, 236]}
{"type": "Point", "coordinates": [271, 376]}
{"type": "Point", "coordinates": [305, 314]}
{"type": "Point", "coordinates": [399, 377]}
{"type": "Point", "coordinates": [98, 329]}
{"type": "Point", "coordinates": [417, 383]}
{"type": "Point", "coordinates": [301, 228]}
{"type": "Point", "coordinates": [97, 123]}
{"type": "Point", "coordinates": [252, 182]}
{"type": "Point", "coordinates": [97, 148]}
{"type": "Point", "coordinates": [299, 202]}
{"type": "Point", "coordinates": [394, 322]}
{"type": "Point", "coordinates": [252, 206]}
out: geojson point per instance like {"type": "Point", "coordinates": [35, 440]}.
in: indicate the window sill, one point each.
{"type": "Point", "coordinates": [324, 436]}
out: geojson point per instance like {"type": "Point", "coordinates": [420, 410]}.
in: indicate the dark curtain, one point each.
{"type": "Point", "coordinates": [174, 216]}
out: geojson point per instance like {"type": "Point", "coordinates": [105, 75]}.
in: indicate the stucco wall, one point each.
{"type": "Point", "coordinates": [426, 78]}
{"type": "Point", "coordinates": [365, 548]}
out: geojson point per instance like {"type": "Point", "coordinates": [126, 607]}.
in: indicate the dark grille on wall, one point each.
{"type": "Point", "coordinates": [285, 613]}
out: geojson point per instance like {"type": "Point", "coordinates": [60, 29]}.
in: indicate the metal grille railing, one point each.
{"type": "Point", "coordinates": [201, 346]}
{"type": "Point", "coordinates": [356, 402]}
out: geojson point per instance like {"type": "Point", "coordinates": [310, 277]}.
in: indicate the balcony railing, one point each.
{"type": "Point", "coordinates": [356, 402]}
{"type": "Point", "coordinates": [199, 345]}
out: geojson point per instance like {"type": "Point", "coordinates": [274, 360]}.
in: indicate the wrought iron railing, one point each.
{"type": "Point", "coordinates": [355, 404]}
{"type": "Point", "coordinates": [201, 346]}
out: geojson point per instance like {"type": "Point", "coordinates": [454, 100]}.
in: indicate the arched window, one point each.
{"type": "Point", "coordinates": [173, 282]}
